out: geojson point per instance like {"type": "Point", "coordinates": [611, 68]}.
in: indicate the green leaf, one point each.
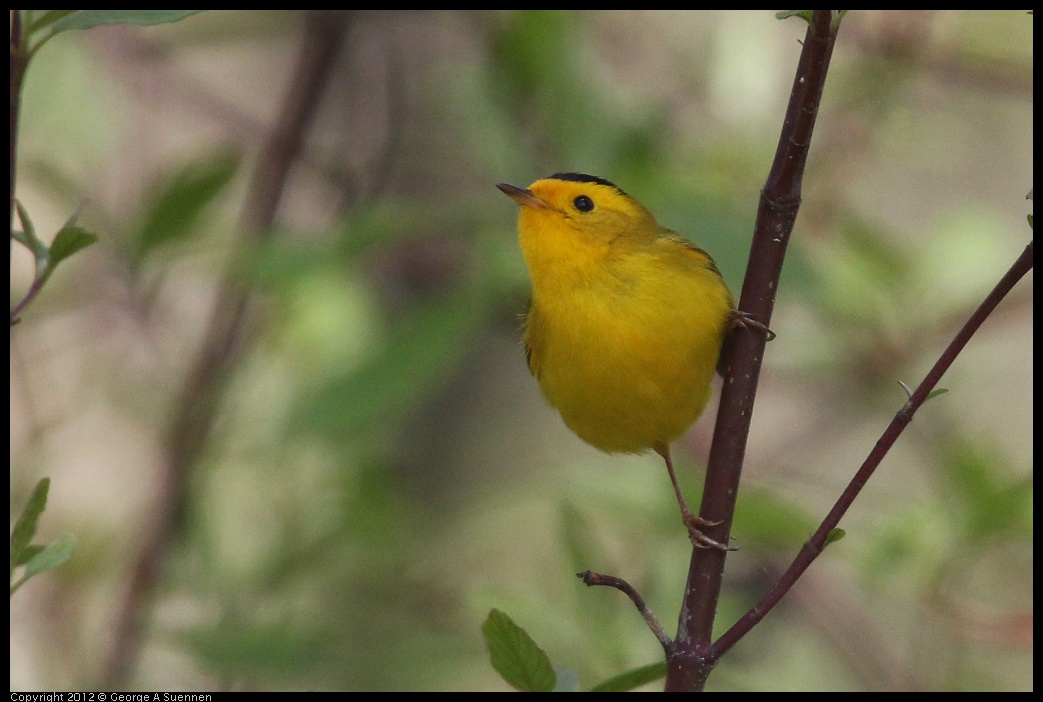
{"type": "Point", "coordinates": [834, 535]}
{"type": "Point", "coordinates": [25, 528]}
{"type": "Point", "coordinates": [179, 202]}
{"type": "Point", "coordinates": [935, 393]}
{"type": "Point", "coordinates": [19, 236]}
{"type": "Point", "coordinates": [48, 18]}
{"type": "Point", "coordinates": [807, 15]}
{"type": "Point", "coordinates": [27, 237]}
{"type": "Point", "coordinates": [51, 556]}
{"type": "Point", "coordinates": [515, 656]}
{"type": "Point", "coordinates": [633, 679]}
{"type": "Point", "coordinates": [85, 19]}
{"type": "Point", "coordinates": [68, 241]}
{"type": "Point", "coordinates": [27, 554]}
{"type": "Point", "coordinates": [786, 14]}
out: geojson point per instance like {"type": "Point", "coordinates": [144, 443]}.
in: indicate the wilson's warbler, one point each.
{"type": "Point", "coordinates": [627, 318]}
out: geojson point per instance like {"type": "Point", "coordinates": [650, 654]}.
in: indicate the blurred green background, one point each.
{"type": "Point", "coordinates": [383, 470]}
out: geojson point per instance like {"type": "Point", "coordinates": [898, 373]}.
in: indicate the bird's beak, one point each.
{"type": "Point", "coordinates": [523, 197]}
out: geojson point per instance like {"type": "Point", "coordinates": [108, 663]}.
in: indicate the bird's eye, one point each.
{"type": "Point", "coordinates": [583, 203]}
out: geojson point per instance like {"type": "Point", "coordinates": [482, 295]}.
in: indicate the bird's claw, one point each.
{"type": "Point", "coordinates": [701, 540]}
{"type": "Point", "coordinates": [746, 321]}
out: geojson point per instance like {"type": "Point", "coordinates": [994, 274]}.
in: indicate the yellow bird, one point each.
{"type": "Point", "coordinates": [627, 319]}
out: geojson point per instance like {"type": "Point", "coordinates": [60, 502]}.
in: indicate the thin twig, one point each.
{"type": "Point", "coordinates": [192, 421]}
{"type": "Point", "coordinates": [590, 579]}
{"type": "Point", "coordinates": [813, 548]}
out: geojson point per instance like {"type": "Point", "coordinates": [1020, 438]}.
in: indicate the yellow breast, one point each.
{"type": "Point", "coordinates": [626, 349]}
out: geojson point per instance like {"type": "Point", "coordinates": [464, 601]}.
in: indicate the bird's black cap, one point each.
{"type": "Point", "coordinates": [584, 178]}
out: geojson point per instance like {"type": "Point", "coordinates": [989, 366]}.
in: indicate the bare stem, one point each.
{"type": "Point", "coordinates": [590, 579]}
{"type": "Point", "coordinates": [692, 660]}
{"type": "Point", "coordinates": [813, 548]}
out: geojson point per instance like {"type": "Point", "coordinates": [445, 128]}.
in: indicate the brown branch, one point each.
{"type": "Point", "coordinates": [693, 657]}
{"type": "Point", "coordinates": [590, 579]}
{"type": "Point", "coordinates": [193, 417]}
{"type": "Point", "coordinates": [813, 548]}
